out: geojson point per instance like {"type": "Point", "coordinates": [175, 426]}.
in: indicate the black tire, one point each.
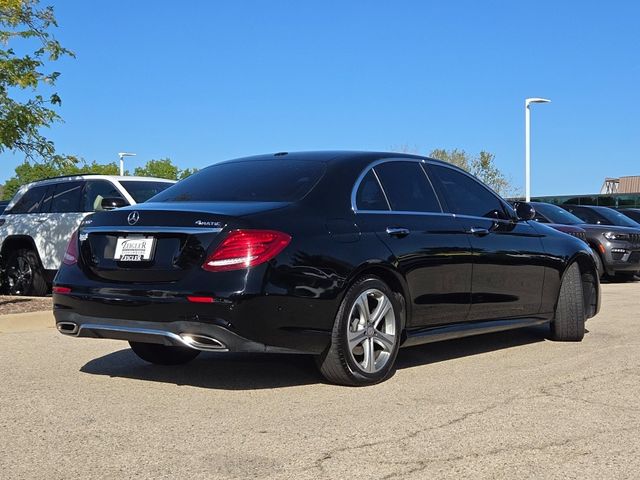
{"type": "Point", "coordinates": [568, 324]}
{"type": "Point", "coordinates": [590, 292]}
{"type": "Point", "coordinates": [599, 264]}
{"type": "Point", "coordinates": [24, 274]}
{"type": "Point", "coordinates": [162, 354]}
{"type": "Point", "coordinates": [339, 363]}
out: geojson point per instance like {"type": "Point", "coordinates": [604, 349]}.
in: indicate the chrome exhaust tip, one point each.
{"type": "Point", "coordinates": [202, 342]}
{"type": "Point", "coordinates": [68, 328]}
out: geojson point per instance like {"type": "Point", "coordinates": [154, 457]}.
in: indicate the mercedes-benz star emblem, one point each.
{"type": "Point", "coordinates": [133, 218]}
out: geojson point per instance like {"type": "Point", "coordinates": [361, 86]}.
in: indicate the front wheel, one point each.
{"type": "Point", "coordinates": [366, 335]}
{"type": "Point", "coordinates": [568, 323]}
{"type": "Point", "coordinates": [162, 354]}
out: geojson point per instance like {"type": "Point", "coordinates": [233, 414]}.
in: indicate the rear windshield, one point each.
{"type": "Point", "coordinates": [142, 191]}
{"type": "Point", "coordinates": [249, 181]}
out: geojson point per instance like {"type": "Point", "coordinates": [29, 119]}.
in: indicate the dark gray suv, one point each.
{"type": "Point", "coordinates": [616, 248]}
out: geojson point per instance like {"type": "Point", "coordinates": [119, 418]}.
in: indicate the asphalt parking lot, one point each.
{"type": "Point", "coordinates": [508, 405]}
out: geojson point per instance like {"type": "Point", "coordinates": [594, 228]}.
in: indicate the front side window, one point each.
{"type": "Point", "coordinates": [31, 201]}
{"type": "Point", "coordinates": [407, 187]}
{"type": "Point", "coordinates": [369, 195]}
{"type": "Point", "coordinates": [95, 192]}
{"type": "Point", "coordinates": [66, 197]}
{"type": "Point", "coordinates": [466, 196]}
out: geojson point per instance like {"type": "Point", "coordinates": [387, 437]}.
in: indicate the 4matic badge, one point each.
{"type": "Point", "coordinates": [209, 223]}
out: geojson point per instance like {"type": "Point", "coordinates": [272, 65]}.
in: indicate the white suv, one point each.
{"type": "Point", "coordinates": [38, 222]}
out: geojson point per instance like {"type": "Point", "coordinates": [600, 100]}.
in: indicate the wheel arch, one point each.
{"type": "Point", "coordinates": [588, 267]}
{"type": "Point", "coordinates": [14, 242]}
{"type": "Point", "coordinates": [389, 275]}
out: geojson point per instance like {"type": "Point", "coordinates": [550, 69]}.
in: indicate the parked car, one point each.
{"type": "Point", "coordinates": [570, 227]}
{"type": "Point", "coordinates": [616, 249]}
{"type": "Point", "coordinates": [36, 226]}
{"type": "Point", "coordinates": [632, 213]}
{"type": "Point", "coordinates": [344, 255]}
{"type": "Point", "coordinates": [601, 216]}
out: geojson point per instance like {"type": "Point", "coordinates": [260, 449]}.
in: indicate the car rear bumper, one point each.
{"type": "Point", "coordinates": [196, 335]}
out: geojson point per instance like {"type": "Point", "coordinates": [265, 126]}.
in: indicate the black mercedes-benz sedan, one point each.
{"type": "Point", "coordinates": [344, 255]}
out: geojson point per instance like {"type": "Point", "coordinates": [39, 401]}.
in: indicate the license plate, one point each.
{"type": "Point", "coordinates": [134, 249]}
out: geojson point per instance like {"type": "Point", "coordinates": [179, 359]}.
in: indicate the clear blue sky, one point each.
{"type": "Point", "coordinates": [204, 81]}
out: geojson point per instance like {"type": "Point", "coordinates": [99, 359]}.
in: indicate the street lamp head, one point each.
{"type": "Point", "coordinates": [125, 154]}
{"type": "Point", "coordinates": [528, 101]}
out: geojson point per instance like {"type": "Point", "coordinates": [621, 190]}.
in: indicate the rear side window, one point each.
{"type": "Point", "coordinates": [247, 181]}
{"type": "Point", "coordinates": [95, 192]}
{"type": "Point", "coordinates": [31, 201]}
{"type": "Point", "coordinates": [407, 187]}
{"type": "Point", "coordinates": [466, 196]}
{"type": "Point", "coordinates": [369, 195]}
{"type": "Point", "coordinates": [66, 197]}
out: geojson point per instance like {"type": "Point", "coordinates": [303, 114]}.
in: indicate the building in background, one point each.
{"type": "Point", "coordinates": [620, 192]}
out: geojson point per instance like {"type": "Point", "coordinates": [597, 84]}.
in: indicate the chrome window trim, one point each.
{"type": "Point", "coordinates": [404, 212]}
{"type": "Point", "coordinates": [435, 192]}
{"type": "Point", "coordinates": [386, 199]}
{"type": "Point", "coordinates": [380, 161]}
{"type": "Point", "coordinates": [148, 229]}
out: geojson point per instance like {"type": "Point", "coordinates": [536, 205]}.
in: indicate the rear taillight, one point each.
{"type": "Point", "coordinates": [71, 255]}
{"type": "Point", "coordinates": [246, 248]}
{"type": "Point", "coordinates": [61, 290]}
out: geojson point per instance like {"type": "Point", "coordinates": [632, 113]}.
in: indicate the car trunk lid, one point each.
{"type": "Point", "coordinates": [160, 242]}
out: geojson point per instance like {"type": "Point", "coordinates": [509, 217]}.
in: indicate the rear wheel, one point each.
{"type": "Point", "coordinates": [162, 354]}
{"type": "Point", "coordinates": [366, 335]}
{"type": "Point", "coordinates": [24, 274]}
{"type": "Point", "coordinates": [568, 324]}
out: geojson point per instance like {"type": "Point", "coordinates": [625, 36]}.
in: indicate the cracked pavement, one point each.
{"type": "Point", "coordinates": [506, 405]}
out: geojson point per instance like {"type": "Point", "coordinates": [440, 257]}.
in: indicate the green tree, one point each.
{"type": "Point", "coordinates": [25, 108]}
{"type": "Point", "coordinates": [481, 165]}
{"type": "Point", "coordinates": [163, 168]}
{"type": "Point", "coordinates": [28, 172]}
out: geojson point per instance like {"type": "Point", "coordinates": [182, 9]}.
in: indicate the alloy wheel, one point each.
{"type": "Point", "coordinates": [371, 332]}
{"type": "Point", "coordinates": [19, 276]}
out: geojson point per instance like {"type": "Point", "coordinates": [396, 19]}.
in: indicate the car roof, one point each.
{"type": "Point", "coordinates": [331, 156]}
{"type": "Point", "coordinates": [95, 176]}
{"type": "Point", "coordinates": [594, 207]}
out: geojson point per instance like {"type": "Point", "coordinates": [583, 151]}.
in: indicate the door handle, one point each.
{"type": "Point", "coordinates": [40, 220]}
{"type": "Point", "coordinates": [478, 231]}
{"type": "Point", "coordinates": [398, 231]}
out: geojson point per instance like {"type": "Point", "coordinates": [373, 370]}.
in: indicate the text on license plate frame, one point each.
{"type": "Point", "coordinates": [134, 248]}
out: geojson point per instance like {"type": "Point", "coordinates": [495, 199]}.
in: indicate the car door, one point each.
{"type": "Point", "coordinates": [62, 217]}
{"type": "Point", "coordinates": [396, 200]}
{"type": "Point", "coordinates": [508, 267]}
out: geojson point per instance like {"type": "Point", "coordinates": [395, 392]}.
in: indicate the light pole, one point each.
{"type": "Point", "coordinates": [527, 144]}
{"type": "Point", "coordinates": [122, 155]}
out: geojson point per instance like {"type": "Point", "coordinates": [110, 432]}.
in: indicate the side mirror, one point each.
{"type": "Point", "coordinates": [524, 211]}
{"type": "Point", "coordinates": [110, 203]}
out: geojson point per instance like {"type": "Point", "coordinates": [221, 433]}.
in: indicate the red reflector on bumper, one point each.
{"type": "Point", "coordinates": [61, 289]}
{"type": "Point", "coordinates": [194, 299]}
